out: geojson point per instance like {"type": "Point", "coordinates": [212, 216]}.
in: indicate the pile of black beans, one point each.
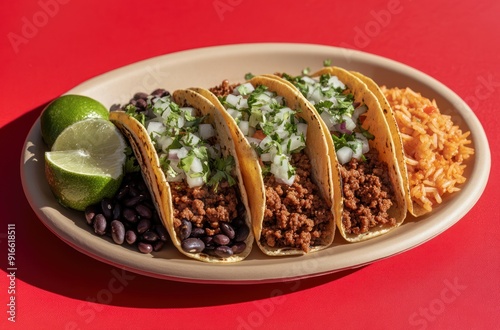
{"type": "Point", "coordinates": [229, 241]}
{"type": "Point", "coordinates": [129, 217]}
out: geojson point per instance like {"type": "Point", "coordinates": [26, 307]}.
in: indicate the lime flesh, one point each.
{"type": "Point", "coordinates": [86, 163]}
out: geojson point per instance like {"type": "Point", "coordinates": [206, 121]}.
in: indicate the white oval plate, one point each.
{"type": "Point", "coordinates": [207, 67]}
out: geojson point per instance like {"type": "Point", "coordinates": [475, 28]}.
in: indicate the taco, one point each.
{"type": "Point", "coordinates": [190, 164]}
{"type": "Point", "coordinates": [361, 147]}
{"type": "Point", "coordinates": [396, 138]}
{"type": "Point", "coordinates": [291, 188]}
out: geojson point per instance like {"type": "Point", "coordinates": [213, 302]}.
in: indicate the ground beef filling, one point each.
{"type": "Point", "coordinates": [296, 216]}
{"type": "Point", "coordinates": [203, 207]}
{"type": "Point", "coordinates": [368, 194]}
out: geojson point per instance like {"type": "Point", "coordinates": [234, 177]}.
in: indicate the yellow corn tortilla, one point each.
{"type": "Point", "coordinates": [156, 179]}
{"type": "Point", "coordinates": [316, 148]}
{"type": "Point", "coordinates": [376, 124]}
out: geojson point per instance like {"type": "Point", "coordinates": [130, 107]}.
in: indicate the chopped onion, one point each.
{"type": "Point", "coordinates": [206, 131]}
{"type": "Point", "coordinates": [190, 139]}
{"type": "Point", "coordinates": [357, 147]}
{"type": "Point", "coordinates": [234, 113]}
{"type": "Point", "coordinates": [244, 89]}
{"type": "Point", "coordinates": [253, 140]}
{"type": "Point", "coordinates": [349, 123]}
{"type": "Point", "coordinates": [173, 154]}
{"type": "Point", "coordinates": [194, 182]}
{"type": "Point", "coordinates": [328, 119]}
{"type": "Point", "coordinates": [266, 157]}
{"type": "Point", "coordinates": [156, 127]}
{"type": "Point", "coordinates": [233, 100]}
{"type": "Point", "coordinates": [244, 127]}
{"type": "Point", "coordinates": [182, 153]}
{"type": "Point", "coordinates": [344, 155]}
{"type": "Point", "coordinates": [293, 143]}
{"type": "Point", "coordinates": [279, 168]}
{"type": "Point", "coordinates": [364, 142]}
{"type": "Point", "coordinates": [188, 111]}
{"type": "Point", "coordinates": [174, 163]}
{"type": "Point", "coordinates": [335, 82]}
{"type": "Point", "coordinates": [196, 166]}
{"type": "Point", "coordinates": [308, 80]}
{"type": "Point", "coordinates": [302, 129]}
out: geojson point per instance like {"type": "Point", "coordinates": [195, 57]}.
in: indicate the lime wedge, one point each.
{"type": "Point", "coordinates": [86, 163]}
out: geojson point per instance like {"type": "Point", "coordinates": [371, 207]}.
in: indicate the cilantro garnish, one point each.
{"type": "Point", "coordinates": [249, 76]}
{"type": "Point", "coordinates": [131, 163]}
{"type": "Point", "coordinates": [222, 171]}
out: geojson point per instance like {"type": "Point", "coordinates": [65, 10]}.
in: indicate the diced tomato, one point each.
{"type": "Point", "coordinates": [429, 109]}
{"type": "Point", "coordinates": [259, 134]}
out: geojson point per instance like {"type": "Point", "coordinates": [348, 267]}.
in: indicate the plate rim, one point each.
{"type": "Point", "coordinates": [480, 173]}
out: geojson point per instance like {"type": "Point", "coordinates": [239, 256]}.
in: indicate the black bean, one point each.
{"type": "Point", "coordinates": [143, 225]}
{"type": "Point", "coordinates": [123, 192]}
{"type": "Point", "coordinates": [141, 103]}
{"type": "Point", "coordinates": [197, 232]}
{"type": "Point", "coordinates": [117, 231]}
{"type": "Point", "coordinates": [242, 233]}
{"type": "Point", "coordinates": [144, 211]}
{"type": "Point", "coordinates": [130, 236]}
{"type": "Point", "coordinates": [158, 246]}
{"type": "Point", "coordinates": [140, 95]}
{"type": "Point", "coordinates": [193, 245]}
{"type": "Point", "coordinates": [162, 232]}
{"type": "Point", "coordinates": [150, 236]}
{"type": "Point", "coordinates": [160, 92]}
{"type": "Point", "coordinates": [107, 208]}
{"type": "Point", "coordinates": [240, 220]}
{"type": "Point", "coordinates": [145, 247]}
{"type": "Point", "coordinates": [117, 211]}
{"type": "Point", "coordinates": [223, 251]}
{"type": "Point", "coordinates": [221, 239]}
{"type": "Point", "coordinates": [90, 213]}
{"type": "Point", "coordinates": [208, 240]}
{"type": "Point", "coordinates": [132, 201]}
{"type": "Point", "coordinates": [100, 224]}
{"type": "Point", "coordinates": [227, 230]}
{"type": "Point", "coordinates": [185, 229]}
{"type": "Point", "coordinates": [130, 215]}
{"type": "Point", "coordinates": [133, 191]}
{"type": "Point", "coordinates": [210, 250]}
{"type": "Point", "coordinates": [238, 247]}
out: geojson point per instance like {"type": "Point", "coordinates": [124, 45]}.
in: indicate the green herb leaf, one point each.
{"type": "Point", "coordinates": [222, 172]}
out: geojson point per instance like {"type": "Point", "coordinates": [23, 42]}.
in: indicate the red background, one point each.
{"type": "Point", "coordinates": [49, 46]}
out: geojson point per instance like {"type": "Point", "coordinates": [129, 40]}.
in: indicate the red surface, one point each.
{"type": "Point", "coordinates": [49, 46]}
